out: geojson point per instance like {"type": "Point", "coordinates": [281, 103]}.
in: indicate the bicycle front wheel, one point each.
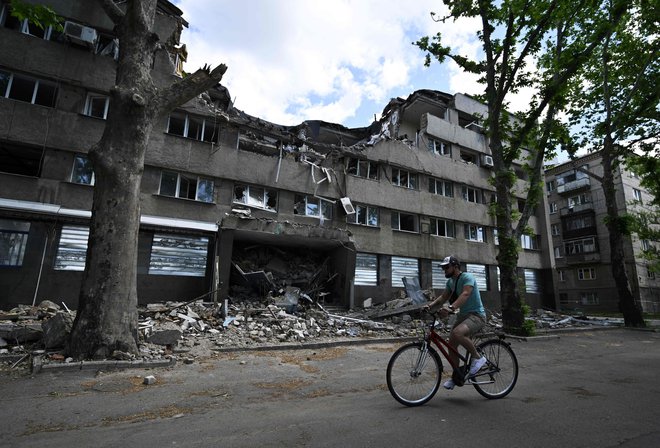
{"type": "Point", "coordinates": [414, 373]}
{"type": "Point", "coordinates": [498, 377]}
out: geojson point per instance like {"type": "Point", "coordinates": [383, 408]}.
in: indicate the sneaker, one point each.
{"type": "Point", "coordinates": [449, 384]}
{"type": "Point", "coordinates": [476, 365]}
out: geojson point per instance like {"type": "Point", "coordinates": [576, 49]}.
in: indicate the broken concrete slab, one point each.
{"type": "Point", "coordinates": [168, 333]}
{"type": "Point", "coordinates": [56, 330]}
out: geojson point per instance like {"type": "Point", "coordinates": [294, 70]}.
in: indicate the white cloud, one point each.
{"type": "Point", "coordinates": [294, 60]}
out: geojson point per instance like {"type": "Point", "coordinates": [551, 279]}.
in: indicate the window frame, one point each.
{"type": "Point", "coordinates": [411, 179]}
{"type": "Point", "coordinates": [355, 218]}
{"type": "Point", "coordinates": [15, 233]}
{"type": "Point", "coordinates": [35, 95]}
{"type": "Point", "coordinates": [77, 179]}
{"type": "Point", "coordinates": [579, 243]}
{"type": "Point", "coordinates": [357, 166]}
{"type": "Point", "coordinates": [480, 231]}
{"type": "Point", "coordinates": [87, 110]}
{"type": "Point", "coordinates": [188, 129]}
{"type": "Point", "coordinates": [325, 207]}
{"type": "Point", "coordinates": [582, 274]}
{"type": "Point", "coordinates": [446, 187]}
{"type": "Point", "coordinates": [467, 191]}
{"type": "Point", "coordinates": [396, 222]}
{"type": "Point", "coordinates": [434, 143]}
{"type": "Point", "coordinates": [198, 181]}
{"type": "Point", "coordinates": [448, 227]}
{"type": "Point", "coordinates": [267, 195]}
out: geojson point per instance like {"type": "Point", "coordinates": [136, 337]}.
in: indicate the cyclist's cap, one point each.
{"type": "Point", "coordinates": [450, 260]}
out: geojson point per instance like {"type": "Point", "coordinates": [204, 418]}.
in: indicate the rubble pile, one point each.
{"type": "Point", "coordinates": [197, 329]}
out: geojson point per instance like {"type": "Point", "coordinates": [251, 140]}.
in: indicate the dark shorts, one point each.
{"type": "Point", "coordinates": [474, 322]}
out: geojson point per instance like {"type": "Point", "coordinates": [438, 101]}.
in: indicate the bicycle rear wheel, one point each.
{"type": "Point", "coordinates": [413, 374]}
{"type": "Point", "coordinates": [498, 377]}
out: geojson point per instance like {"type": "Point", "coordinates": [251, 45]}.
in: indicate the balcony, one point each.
{"type": "Point", "coordinates": [575, 209]}
{"type": "Point", "coordinates": [592, 257]}
{"type": "Point", "coordinates": [574, 185]}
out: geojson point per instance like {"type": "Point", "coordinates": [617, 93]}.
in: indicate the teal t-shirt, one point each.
{"type": "Point", "coordinates": [473, 304]}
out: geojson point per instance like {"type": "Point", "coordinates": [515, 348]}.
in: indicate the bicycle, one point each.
{"type": "Point", "coordinates": [414, 371]}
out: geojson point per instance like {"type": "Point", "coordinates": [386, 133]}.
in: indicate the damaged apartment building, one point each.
{"type": "Point", "coordinates": [234, 205]}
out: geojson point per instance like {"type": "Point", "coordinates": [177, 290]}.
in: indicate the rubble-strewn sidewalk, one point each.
{"type": "Point", "coordinates": [35, 336]}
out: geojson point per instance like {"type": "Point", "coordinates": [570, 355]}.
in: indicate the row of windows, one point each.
{"type": "Point", "coordinates": [170, 254]}
{"type": "Point", "coordinates": [104, 44]}
{"type": "Point", "coordinates": [44, 93]}
{"type": "Point", "coordinates": [367, 273]}
{"type": "Point", "coordinates": [196, 188]}
{"type": "Point", "coordinates": [27, 89]}
{"type": "Point", "coordinates": [187, 256]}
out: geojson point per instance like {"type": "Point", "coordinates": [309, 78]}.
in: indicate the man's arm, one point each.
{"type": "Point", "coordinates": [440, 299]}
{"type": "Point", "coordinates": [465, 295]}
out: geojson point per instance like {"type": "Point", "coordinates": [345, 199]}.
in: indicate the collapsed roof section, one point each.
{"type": "Point", "coordinates": [317, 136]}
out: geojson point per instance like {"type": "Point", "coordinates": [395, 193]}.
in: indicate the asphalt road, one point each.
{"type": "Point", "coordinates": [583, 389]}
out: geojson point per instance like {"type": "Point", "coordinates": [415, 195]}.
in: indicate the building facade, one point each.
{"type": "Point", "coordinates": [232, 204]}
{"type": "Point", "coordinates": [580, 239]}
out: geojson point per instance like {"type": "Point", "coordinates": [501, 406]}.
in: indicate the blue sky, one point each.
{"type": "Point", "coordinates": [339, 61]}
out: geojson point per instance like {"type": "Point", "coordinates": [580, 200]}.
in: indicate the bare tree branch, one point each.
{"type": "Point", "coordinates": [185, 89]}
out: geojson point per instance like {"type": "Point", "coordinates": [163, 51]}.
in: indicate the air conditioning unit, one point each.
{"type": "Point", "coordinates": [80, 34]}
{"type": "Point", "coordinates": [487, 161]}
{"type": "Point", "coordinates": [348, 207]}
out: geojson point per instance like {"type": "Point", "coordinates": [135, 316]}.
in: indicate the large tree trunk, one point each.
{"type": "Point", "coordinates": [107, 311]}
{"type": "Point", "coordinates": [617, 229]}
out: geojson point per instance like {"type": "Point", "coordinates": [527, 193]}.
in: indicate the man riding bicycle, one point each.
{"type": "Point", "coordinates": [463, 295]}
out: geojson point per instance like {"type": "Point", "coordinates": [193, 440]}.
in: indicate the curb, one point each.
{"type": "Point", "coordinates": [38, 365]}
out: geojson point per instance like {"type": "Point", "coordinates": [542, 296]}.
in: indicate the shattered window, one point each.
{"type": "Point", "coordinates": [19, 159]}
{"type": "Point", "coordinates": [403, 178]}
{"type": "Point", "coordinates": [474, 232]}
{"type": "Point", "coordinates": [312, 206]}
{"type": "Point", "coordinates": [364, 215]}
{"type": "Point", "coordinates": [186, 187]}
{"type": "Point", "coordinates": [96, 105]}
{"type": "Point", "coordinates": [439, 147]}
{"type": "Point", "coordinates": [366, 269]}
{"type": "Point", "coordinates": [258, 197]}
{"type": "Point", "coordinates": [29, 90]}
{"type": "Point", "coordinates": [177, 124]}
{"type": "Point", "coordinates": [194, 127]}
{"type": "Point", "coordinates": [82, 172]}
{"type": "Point", "coordinates": [13, 241]}
{"type": "Point", "coordinates": [72, 249]}
{"type": "Point", "coordinates": [363, 168]}
{"type": "Point", "coordinates": [178, 255]}
{"type": "Point", "coordinates": [405, 222]}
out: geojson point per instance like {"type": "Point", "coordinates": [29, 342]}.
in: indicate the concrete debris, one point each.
{"type": "Point", "coordinates": [149, 380]}
{"type": "Point", "coordinates": [192, 330]}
